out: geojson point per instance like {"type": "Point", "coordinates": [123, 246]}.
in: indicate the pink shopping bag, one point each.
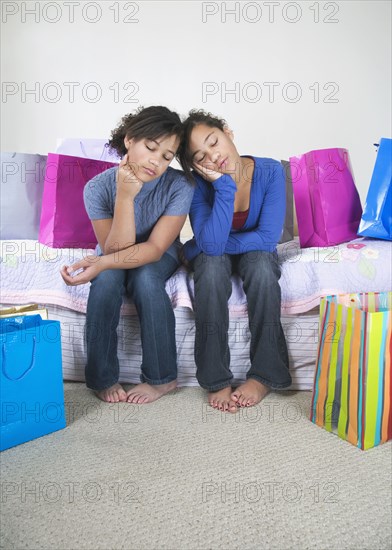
{"type": "Point", "coordinates": [64, 221]}
{"type": "Point", "coordinates": [326, 200]}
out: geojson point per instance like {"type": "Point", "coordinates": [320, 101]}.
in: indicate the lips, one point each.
{"type": "Point", "coordinates": [221, 164]}
{"type": "Point", "coordinates": [149, 171]}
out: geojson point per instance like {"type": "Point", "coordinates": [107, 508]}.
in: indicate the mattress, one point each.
{"type": "Point", "coordinates": [301, 335]}
{"type": "Point", "coordinates": [30, 273]}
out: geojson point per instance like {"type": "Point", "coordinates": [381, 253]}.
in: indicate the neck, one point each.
{"type": "Point", "coordinates": [243, 175]}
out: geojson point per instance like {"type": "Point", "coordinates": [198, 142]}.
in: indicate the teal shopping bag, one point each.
{"type": "Point", "coordinates": [376, 219]}
{"type": "Point", "coordinates": [31, 385]}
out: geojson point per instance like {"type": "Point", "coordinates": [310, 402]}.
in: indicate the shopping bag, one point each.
{"type": "Point", "coordinates": [377, 214]}
{"type": "Point", "coordinates": [327, 202]}
{"type": "Point", "coordinates": [64, 220]}
{"type": "Point", "coordinates": [88, 148]}
{"type": "Point", "coordinates": [27, 309]}
{"type": "Point", "coordinates": [22, 184]}
{"type": "Point", "coordinates": [353, 380]}
{"type": "Point", "coordinates": [31, 389]}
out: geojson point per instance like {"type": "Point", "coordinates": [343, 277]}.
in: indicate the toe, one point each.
{"type": "Point", "coordinates": [235, 395]}
{"type": "Point", "coordinates": [131, 398]}
{"type": "Point", "coordinates": [242, 401]}
{"type": "Point", "coordinates": [233, 407]}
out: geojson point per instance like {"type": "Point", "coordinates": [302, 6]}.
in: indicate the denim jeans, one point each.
{"type": "Point", "coordinates": [260, 273]}
{"type": "Point", "coordinates": [146, 287]}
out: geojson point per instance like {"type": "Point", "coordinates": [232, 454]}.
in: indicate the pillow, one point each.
{"type": "Point", "coordinates": [22, 183]}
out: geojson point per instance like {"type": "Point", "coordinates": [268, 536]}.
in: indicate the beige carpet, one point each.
{"type": "Point", "coordinates": [177, 475]}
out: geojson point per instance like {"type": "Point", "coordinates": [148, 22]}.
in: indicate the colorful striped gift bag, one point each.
{"type": "Point", "coordinates": [352, 388]}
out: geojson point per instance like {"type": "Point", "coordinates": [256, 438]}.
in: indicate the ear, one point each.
{"type": "Point", "coordinates": [228, 132]}
{"type": "Point", "coordinates": [127, 142]}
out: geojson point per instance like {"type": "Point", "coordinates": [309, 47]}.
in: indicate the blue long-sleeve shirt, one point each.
{"type": "Point", "coordinates": [212, 210]}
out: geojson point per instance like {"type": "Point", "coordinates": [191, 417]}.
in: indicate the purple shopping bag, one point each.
{"type": "Point", "coordinates": [64, 221]}
{"type": "Point", "coordinates": [326, 200]}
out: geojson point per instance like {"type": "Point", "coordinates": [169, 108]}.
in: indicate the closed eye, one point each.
{"type": "Point", "coordinates": [200, 159]}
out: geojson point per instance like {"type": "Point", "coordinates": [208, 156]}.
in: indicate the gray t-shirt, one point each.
{"type": "Point", "coordinates": [169, 195]}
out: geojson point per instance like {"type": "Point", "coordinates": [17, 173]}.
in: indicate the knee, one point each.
{"type": "Point", "coordinates": [145, 283]}
{"type": "Point", "coordinates": [211, 269]}
{"type": "Point", "coordinates": [261, 268]}
{"type": "Point", "coordinates": [109, 283]}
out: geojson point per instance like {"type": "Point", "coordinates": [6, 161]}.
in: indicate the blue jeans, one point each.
{"type": "Point", "coordinates": [260, 273]}
{"type": "Point", "coordinates": [146, 287]}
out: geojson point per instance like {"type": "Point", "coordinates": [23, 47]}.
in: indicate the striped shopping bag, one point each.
{"type": "Point", "coordinates": [353, 384]}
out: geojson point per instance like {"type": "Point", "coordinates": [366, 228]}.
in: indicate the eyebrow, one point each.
{"type": "Point", "coordinates": [157, 142]}
{"type": "Point", "coordinates": [195, 153]}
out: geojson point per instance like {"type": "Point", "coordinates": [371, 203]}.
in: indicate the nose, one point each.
{"type": "Point", "coordinates": [215, 156]}
{"type": "Point", "coordinates": [154, 161]}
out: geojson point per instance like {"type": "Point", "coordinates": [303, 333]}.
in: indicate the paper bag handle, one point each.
{"type": "Point", "coordinates": [15, 379]}
{"type": "Point", "coordinates": [85, 154]}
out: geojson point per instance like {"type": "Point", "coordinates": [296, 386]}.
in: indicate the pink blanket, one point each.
{"type": "Point", "coordinates": [30, 273]}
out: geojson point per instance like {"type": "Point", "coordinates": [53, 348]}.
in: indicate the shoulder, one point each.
{"type": "Point", "coordinates": [103, 179]}
{"type": "Point", "coordinates": [268, 170]}
{"type": "Point", "coordinates": [175, 180]}
{"type": "Point", "coordinates": [102, 183]}
{"type": "Point", "coordinates": [268, 164]}
{"type": "Point", "coordinates": [172, 175]}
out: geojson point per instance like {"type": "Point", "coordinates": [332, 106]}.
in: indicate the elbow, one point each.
{"type": "Point", "coordinates": [212, 248]}
{"type": "Point", "coordinates": [157, 253]}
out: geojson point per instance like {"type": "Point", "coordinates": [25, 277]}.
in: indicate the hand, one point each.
{"type": "Point", "coordinates": [182, 258]}
{"type": "Point", "coordinates": [206, 173]}
{"type": "Point", "coordinates": [127, 182]}
{"type": "Point", "coordinates": [83, 271]}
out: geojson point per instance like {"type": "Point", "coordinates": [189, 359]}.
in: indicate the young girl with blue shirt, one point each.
{"type": "Point", "coordinates": [237, 216]}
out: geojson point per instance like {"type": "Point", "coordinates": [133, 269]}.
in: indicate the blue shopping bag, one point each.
{"type": "Point", "coordinates": [376, 218]}
{"type": "Point", "coordinates": [31, 385]}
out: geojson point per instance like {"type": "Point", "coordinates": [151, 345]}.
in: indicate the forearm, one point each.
{"type": "Point", "coordinates": [134, 256]}
{"type": "Point", "coordinates": [122, 233]}
{"type": "Point", "coordinates": [240, 243]}
{"type": "Point", "coordinates": [212, 226]}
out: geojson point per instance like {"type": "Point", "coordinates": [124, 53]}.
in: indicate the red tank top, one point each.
{"type": "Point", "coordinates": [239, 219]}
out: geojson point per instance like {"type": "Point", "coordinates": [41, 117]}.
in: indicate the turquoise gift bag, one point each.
{"type": "Point", "coordinates": [376, 219]}
{"type": "Point", "coordinates": [31, 384]}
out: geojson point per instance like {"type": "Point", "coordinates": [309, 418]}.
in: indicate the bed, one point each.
{"type": "Point", "coordinates": [30, 273]}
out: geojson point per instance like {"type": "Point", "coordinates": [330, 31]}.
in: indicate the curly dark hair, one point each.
{"type": "Point", "coordinates": [195, 117]}
{"type": "Point", "coordinates": [146, 123]}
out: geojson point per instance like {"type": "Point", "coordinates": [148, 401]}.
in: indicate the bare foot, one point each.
{"type": "Point", "coordinates": [144, 393]}
{"type": "Point", "coordinates": [114, 394]}
{"type": "Point", "coordinates": [249, 393]}
{"type": "Point", "coordinates": [221, 400]}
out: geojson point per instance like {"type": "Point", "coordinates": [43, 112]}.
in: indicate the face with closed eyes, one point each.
{"type": "Point", "coordinates": [149, 158]}
{"type": "Point", "coordinates": [213, 149]}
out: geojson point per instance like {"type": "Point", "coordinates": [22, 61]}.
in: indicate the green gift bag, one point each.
{"type": "Point", "coordinates": [353, 383]}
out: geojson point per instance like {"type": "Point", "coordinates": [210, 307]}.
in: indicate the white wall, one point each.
{"type": "Point", "coordinates": [189, 54]}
